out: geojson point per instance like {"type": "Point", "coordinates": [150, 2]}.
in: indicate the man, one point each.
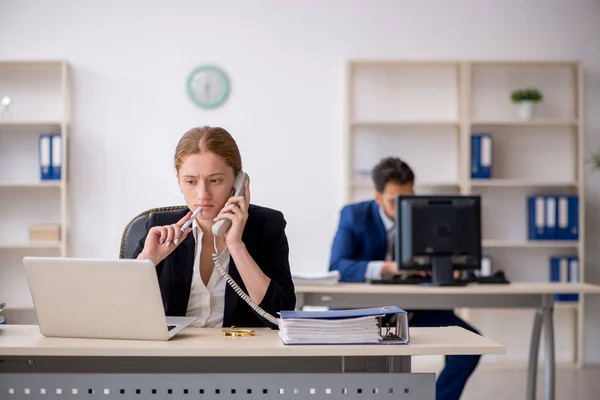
{"type": "Point", "coordinates": [362, 250]}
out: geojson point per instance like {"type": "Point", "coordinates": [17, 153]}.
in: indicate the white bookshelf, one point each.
{"type": "Point", "coordinates": [531, 244]}
{"type": "Point", "coordinates": [425, 112]}
{"type": "Point", "coordinates": [40, 94]}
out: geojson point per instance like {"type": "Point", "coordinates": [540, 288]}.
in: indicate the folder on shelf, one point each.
{"type": "Point", "coordinates": [558, 273]}
{"type": "Point", "coordinates": [542, 216]}
{"type": "Point", "coordinates": [536, 224]}
{"type": "Point", "coordinates": [356, 326]}
{"type": "Point", "coordinates": [45, 156]}
{"type": "Point", "coordinates": [573, 277]}
{"type": "Point", "coordinates": [56, 159]}
{"type": "Point", "coordinates": [568, 218]}
{"type": "Point", "coordinates": [565, 269]}
{"type": "Point", "coordinates": [551, 225]}
{"type": "Point", "coordinates": [481, 156]}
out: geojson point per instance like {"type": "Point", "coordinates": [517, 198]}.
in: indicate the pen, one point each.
{"type": "Point", "coordinates": [192, 218]}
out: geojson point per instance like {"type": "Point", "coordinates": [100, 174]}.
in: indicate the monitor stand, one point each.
{"type": "Point", "coordinates": [442, 273]}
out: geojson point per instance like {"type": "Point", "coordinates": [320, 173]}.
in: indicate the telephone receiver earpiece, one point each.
{"type": "Point", "coordinates": [221, 226]}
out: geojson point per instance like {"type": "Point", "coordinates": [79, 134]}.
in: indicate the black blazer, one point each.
{"type": "Point", "coordinates": [265, 240]}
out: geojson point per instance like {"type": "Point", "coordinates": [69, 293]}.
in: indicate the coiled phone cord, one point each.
{"type": "Point", "coordinates": [237, 289]}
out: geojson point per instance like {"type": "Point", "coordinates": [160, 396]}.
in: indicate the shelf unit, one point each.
{"type": "Point", "coordinates": [425, 112]}
{"type": "Point", "coordinates": [40, 94]}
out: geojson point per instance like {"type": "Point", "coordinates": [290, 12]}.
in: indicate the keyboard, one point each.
{"type": "Point", "coordinates": [171, 327]}
{"type": "Point", "coordinates": [497, 278]}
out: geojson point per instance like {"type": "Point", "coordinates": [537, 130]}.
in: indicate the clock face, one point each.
{"type": "Point", "coordinates": [208, 86]}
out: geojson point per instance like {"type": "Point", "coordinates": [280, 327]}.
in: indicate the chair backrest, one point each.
{"type": "Point", "coordinates": [136, 229]}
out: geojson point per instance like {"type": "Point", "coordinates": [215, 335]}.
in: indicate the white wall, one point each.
{"type": "Point", "coordinates": [286, 61]}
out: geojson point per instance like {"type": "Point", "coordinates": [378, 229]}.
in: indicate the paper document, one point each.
{"type": "Point", "coordinates": [328, 278]}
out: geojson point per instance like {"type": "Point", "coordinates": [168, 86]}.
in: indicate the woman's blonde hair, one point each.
{"type": "Point", "coordinates": [209, 139]}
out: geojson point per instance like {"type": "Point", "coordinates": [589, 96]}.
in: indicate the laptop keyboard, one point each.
{"type": "Point", "coordinates": [171, 327]}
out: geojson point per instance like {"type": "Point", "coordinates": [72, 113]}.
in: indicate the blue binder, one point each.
{"type": "Point", "coordinates": [573, 277]}
{"type": "Point", "coordinates": [56, 159]}
{"type": "Point", "coordinates": [318, 327]}
{"type": "Point", "coordinates": [45, 156]}
{"type": "Point", "coordinates": [568, 218]}
{"type": "Point", "coordinates": [342, 314]}
{"type": "Point", "coordinates": [565, 269]}
{"type": "Point", "coordinates": [536, 224]}
{"type": "Point", "coordinates": [481, 156]}
{"type": "Point", "coordinates": [550, 228]}
{"type": "Point", "coordinates": [542, 217]}
{"type": "Point", "coordinates": [559, 273]}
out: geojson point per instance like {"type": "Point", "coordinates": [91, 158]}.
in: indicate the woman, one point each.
{"type": "Point", "coordinates": [206, 162]}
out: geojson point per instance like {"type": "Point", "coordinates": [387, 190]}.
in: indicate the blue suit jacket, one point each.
{"type": "Point", "coordinates": [360, 238]}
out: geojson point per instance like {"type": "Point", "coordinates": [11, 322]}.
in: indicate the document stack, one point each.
{"type": "Point", "coordinates": [357, 326]}
{"type": "Point", "coordinates": [2, 305]}
{"type": "Point", "coordinates": [329, 278]}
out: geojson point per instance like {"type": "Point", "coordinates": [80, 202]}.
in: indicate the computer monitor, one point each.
{"type": "Point", "coordinates": [439, 234]}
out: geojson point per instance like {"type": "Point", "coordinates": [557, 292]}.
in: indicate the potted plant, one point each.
{"type": "Point", "coordinates": [526, 100]}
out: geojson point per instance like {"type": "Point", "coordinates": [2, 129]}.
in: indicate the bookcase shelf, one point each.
{"type": "Point", "coordinates": [425, 113]}
{"type": "Point", "coordinates": [5, 125]}
{"type": "Point", "coordinates": [520, 183]}
{"type": "Point", "coordinates": [32, 185]}
{"type": "Point", "coordinates": [25, 246]}
{"type": "Point", "coordinates": [529, 244]}
{"type": "Point", "coordinates": [40, 104]}
{"type": "Point", "coordinates": [432, 123]}
{"type": "Point", "coordinates": [367, 184]}
{"type": "Point", "coordinates": [536, 123]}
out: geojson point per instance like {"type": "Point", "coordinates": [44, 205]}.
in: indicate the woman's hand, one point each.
{"type": "Point", "coordinates": [236, 210]}
{"type": "Point", "coordinates": [162, 240]}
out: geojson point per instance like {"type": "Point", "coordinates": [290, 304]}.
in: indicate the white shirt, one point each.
{"type": "Point", "coordinates": [207, 302]}
{"type": "Point", "coordinates": [374, 268]}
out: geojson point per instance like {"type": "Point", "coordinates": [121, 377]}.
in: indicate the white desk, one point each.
{"type": "Point", "coordinates": [539, 296]}
{"type": "Point", "coordinates": [204, 362]}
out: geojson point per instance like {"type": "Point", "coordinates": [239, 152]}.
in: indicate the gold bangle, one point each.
{"type": "Point", "coordinates": [234, 331]}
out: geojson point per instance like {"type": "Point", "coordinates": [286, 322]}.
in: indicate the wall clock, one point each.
{"type": "Point", "coordinates": [208, 86]}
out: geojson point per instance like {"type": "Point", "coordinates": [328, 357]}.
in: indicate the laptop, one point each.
{"type": "Point", "coordinates": [100, 299]}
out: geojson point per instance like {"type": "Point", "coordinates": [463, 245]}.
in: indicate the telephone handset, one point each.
{"type": "Point", "coordinates": [221, 226]}
{"type": "Point", "coordinates": [219, 229]}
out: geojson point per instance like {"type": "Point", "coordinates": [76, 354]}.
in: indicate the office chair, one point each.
{"type": "Point", "coordinates": [136, 229]}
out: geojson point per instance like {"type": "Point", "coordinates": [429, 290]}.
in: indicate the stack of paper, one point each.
{"type": "Point", "coordinates": [323, 331]}
{"type": "Point", "coordinates": [359, 326]}
{"type": "Point", "coordinates": [329, 278]}
{"type": "Point", "coordinates": [2, 305]}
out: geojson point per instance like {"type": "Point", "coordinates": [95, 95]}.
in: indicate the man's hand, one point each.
{"type": "Point", "coordinates": [390, 268]}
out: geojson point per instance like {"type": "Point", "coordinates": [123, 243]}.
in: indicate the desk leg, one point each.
{"type": "Point", "coordinates": [534, 347]}
{"type": "Point", "coordinates": [549, 361]}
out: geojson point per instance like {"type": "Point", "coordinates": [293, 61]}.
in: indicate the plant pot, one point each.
{"type": "Point", "coordinates": [526, 109]}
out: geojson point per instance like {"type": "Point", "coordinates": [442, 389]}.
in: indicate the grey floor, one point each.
{"type": "Point", "coordinates": [571, 384]}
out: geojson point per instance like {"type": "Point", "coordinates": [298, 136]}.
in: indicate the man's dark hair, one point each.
{"type": "Point", "coordinates": [391, 169]}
